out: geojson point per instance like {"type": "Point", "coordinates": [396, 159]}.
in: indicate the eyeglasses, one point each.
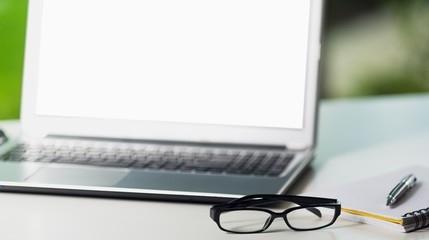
{"type": "Point", "coordinates": [245, 215]}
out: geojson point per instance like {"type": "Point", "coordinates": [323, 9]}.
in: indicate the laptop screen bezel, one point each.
{"type": "Point", "coordinates": [34, 125]}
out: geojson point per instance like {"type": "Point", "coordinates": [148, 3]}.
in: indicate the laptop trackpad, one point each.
{"type": "Point", "coordinates": [78, 176]}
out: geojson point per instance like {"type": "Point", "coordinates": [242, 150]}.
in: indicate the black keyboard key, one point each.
{"type": "Point", "coordinates": [280, 165]}
{"type": "Point", "coordinates": [65, 159]}
{"type": "Point", "coordinates": [186, 159]}
{"type": "Point", "coordinates": [78, 154]}
{"type": "Point", "coordinates": [31, 158]}
{"type": "Point", "coordinates": [13, 158]}
{"type": "Point", "coordinates": [207, 164]}
{"type": "Point", "coordinates": [155, 164]}
{"type": "Point", "coordinates": [282, 162]}
{"type": "Point", "coordinates": [111, 164]}
{"type": "Point", "coordinates": [275, 171]}
{"type": "Point", "coordinates": [80, 160]}
{"type": "Point", "coordinates": [201, 156]}
{"type": "Point", "coordinates": [172, 165]}
{"type": "Point", "coordinates": [155, 157]}
{"type": "Point", "coordinates": [47, 159]}
{"type": "Point", "coordinates": [49, 153]}
{"type": "Point", "coordinates": [253, 162]}
{"type": "Point", "coordinates": [140, 163]}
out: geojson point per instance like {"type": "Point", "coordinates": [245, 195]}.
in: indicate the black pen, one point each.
{"type": "Point", "coordinates": [401, 188]}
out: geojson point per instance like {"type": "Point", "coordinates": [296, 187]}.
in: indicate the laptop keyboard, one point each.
{"type": "Point", "coordinates": [157, 158]}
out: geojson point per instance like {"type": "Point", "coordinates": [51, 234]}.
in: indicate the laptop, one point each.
{"type": "Point", "coordinates": [170, 100]}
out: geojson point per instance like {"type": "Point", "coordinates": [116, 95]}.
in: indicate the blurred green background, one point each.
{"type": "Point", "coordinates": [12, 38]}
{"type": "Point", "coordinates": [374, 47]}
{"type": "Point", "coordinates": [371, 47]}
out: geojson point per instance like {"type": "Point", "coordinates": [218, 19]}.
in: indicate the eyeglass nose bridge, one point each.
{"type": "Point", "coordinates": [275, 215]}
{"type": "Point", "coordinates": [283, 215]}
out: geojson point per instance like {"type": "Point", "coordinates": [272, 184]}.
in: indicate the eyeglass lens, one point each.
{"type": "Point", "coordinates": [245, 221]}
{"type": "Point", "coordinates": [305, 219]}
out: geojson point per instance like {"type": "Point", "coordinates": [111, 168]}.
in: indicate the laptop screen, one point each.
{"type": "Point", "coordinates": [222, 62]}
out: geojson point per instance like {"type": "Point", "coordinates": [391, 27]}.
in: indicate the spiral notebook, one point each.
{"type": "Point", "coordinates": [365, 201]}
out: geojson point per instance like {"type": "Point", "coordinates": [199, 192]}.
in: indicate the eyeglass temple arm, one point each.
{"type": "Point", "coordinates": [256, 202]}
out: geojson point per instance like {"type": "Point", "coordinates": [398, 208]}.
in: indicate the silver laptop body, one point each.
{"type": "Point", "coordinates": [178, 100]}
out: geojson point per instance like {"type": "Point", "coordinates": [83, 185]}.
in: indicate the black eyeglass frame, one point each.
{"type": "Point", "coordinates": [249, 202]}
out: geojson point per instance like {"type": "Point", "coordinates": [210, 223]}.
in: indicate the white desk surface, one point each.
{"type": "Point", "coordinates": [358, 138]}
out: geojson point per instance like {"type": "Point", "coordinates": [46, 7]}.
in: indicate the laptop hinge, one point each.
{"type": "Point", "coordinates": [175, 143]}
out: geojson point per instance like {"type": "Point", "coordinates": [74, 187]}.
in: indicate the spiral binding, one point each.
{"type": "Point", "coordinates": [421, 218]}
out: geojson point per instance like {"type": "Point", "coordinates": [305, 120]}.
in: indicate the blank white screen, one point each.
{"type": "Point", "coordinates": [228, 62]}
